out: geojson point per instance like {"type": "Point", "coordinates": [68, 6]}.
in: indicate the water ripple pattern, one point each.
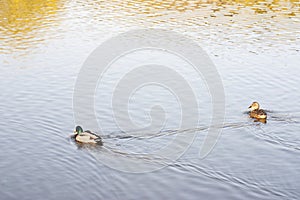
{"type": "Point", "coordinates": [255, 46]}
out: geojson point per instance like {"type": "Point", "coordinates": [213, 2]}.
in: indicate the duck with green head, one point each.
{"type": "Point", "coordinates": [86, 137]}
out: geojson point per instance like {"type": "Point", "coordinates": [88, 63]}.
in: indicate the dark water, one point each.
{"type": "Point", "coordinates": [255, 48]}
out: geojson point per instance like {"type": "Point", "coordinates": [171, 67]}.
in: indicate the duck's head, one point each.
{"type": "Point", "coordinates": [78, 130]}
{"type": "Point", "coordinates": [254, 106]}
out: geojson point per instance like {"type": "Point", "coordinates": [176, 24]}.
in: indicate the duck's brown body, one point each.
{"type": "Point", "coordinates": [258, 114]}
{"type": "Point", "coordinates": [88, 138]}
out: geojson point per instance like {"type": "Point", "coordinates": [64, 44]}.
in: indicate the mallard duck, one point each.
{"type": "Point", "coordinates": [257, 113]}
{"type": "Point", "coordinates": [86, 137]}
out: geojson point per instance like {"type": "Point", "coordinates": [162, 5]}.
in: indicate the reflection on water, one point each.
{"type": "Point", "coordinates": [255, 46]}
{"type": "Point", "coordinates": [151, 7]}
{"type": "Point", "coordinates": [26, 24]}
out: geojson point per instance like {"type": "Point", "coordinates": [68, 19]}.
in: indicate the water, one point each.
{"type": "Point", "coordinates": [255, 48]}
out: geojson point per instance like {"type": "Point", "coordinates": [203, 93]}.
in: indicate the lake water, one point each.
{"type": "Point", "coordinates": [255, 47]}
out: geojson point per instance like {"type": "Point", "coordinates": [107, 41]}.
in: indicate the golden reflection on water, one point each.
{"type": "Point", "coordinates": [26, 23]}
{"type": "Point", "coordinates": [23, 22]}
{"type": "Point", "coordinates": [148, 6]}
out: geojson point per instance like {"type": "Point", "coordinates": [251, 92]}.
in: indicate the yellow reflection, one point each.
{"type": "Point", "coordinates": [21, 20]}
{"type": "Point", "coordinates": [183, 5]}
{"type": "Point", "coordinates": [25, 23]}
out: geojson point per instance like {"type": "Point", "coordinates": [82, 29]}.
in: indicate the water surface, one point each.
{"type": "Point", "coordinates": [255, 48]}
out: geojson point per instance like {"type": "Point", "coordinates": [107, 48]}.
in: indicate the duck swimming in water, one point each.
{"type": "Point", "coordinates": [257, 113]}
{"type": "Point", "coordinates": [86, 137]}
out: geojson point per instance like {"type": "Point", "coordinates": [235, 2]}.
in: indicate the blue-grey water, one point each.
{"type": "Point", "coordinates": [255, 47]}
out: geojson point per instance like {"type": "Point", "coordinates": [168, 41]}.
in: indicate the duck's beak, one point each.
{"type": "Point", "coordinates": [74, 131]}
{"type": "Point", "coordinates": [249, 106]}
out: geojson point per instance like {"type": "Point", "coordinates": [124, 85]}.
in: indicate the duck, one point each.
{"type": "Point", "coordinates": [86, 137]}
{"type": "Point", "coordinates": [257, 113]}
